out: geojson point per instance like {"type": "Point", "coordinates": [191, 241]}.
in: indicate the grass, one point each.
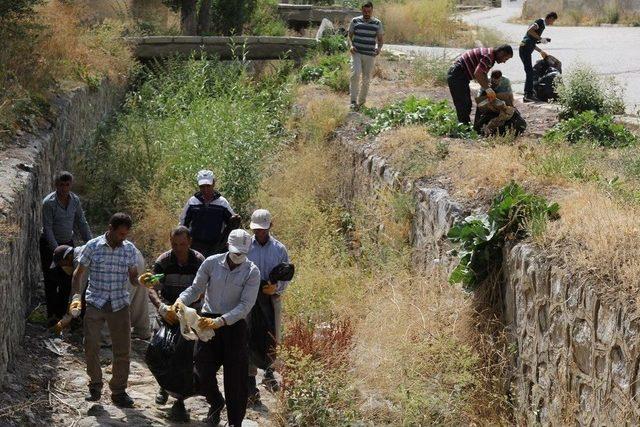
{"type": "Point", "coordinates": [354, 275]}
{"type": "Point", "coordinates": [609, 14]}
{"type": "Point", "coordinates": [430, 70]}
{"type": "Point", "coordinates": [61, 44]}
{"type": "Point", "coordinates": [185, 116]}
{"type": "Point", "coordinates": [431, 23]}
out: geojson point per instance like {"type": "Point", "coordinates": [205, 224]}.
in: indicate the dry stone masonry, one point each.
{"type": "Point", "coordinates": [26, 170]}
{"type": "Point", "coordinates": [576, 355]}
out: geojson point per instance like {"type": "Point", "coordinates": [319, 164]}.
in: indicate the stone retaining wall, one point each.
{"type": "Point", "coordinates": [26, 170]}
{"type": "Point", "coordinates": [577, 355]}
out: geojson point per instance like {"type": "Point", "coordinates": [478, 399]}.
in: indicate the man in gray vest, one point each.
{"type": "Point", "coordinates": [365, 37]}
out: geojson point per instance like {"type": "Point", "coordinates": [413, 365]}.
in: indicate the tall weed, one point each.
{"type": "Point", "coordinates": [584, 90]}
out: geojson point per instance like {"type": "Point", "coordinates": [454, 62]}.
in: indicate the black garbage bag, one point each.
{"type": "Point", "coordinates": [515, 124]}
{"type": "Point", "coordinates": [170, 359]}
{"type": "Point", "coordinates": [545, 74]}
{"type": "Point", "coordinates": [262, 322]}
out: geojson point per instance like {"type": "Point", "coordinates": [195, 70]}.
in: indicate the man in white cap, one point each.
{"type": "Point", "coordinates": [265, 319]}
{"type": "Point", "coordinates": [208, 216]}
{"type": "Point", "coordinates": [230, 285]}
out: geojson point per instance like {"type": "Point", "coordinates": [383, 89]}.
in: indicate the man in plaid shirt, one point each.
{"type": "Point", "coordinates": [110, 261]}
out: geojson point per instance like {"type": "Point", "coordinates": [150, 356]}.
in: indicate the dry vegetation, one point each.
{"type": "Point", "coordinates": [583, 15]}
{"type": "Point", "coordinates": [415, 355]}
{"type": "Point", "coordinates": [59, 45]}
{"type": "Point", "coordinates": [431, 23]}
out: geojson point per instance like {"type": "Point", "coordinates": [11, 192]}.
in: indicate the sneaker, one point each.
{"type": "Point", "coordinates": [354, 106]}
{"type": "Point", "coordinates": [530, 98]}
{"type": "Point", "coordinates": [162, 396]}
{"type": "Point", "coordinates": [94, 395]}
{"type": "Point", "coordinates": [122, 400]}
{"type": "Point", "coordinates": [178, 412]}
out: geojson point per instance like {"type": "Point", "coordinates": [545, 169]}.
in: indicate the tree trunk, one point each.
{"type": "Point", "coordinates": [204, 18]}
{"type": "Point", "coordinates": [188, 18]}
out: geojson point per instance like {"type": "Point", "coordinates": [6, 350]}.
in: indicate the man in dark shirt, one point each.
{"type": "Point", "coordinates": [179, 266]}
{"type": "Point", "coordinates": [208, 216]}
{"type": "Point", "coordinates": [474, 64]}
{"type": "Point", "coordinates": [528, 45]}
{"type": "Point", "coordinates": [61, 214]}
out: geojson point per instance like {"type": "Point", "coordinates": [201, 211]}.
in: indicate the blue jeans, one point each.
{"type": "Point", "coordinates": [525, 55]}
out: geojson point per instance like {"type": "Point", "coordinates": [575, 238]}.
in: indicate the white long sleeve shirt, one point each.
{"type": "Point", "coordinates": [230, 293]}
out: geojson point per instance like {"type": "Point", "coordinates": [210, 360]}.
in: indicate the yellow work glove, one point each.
{"type": "Point", "coordinates": [168, 314]}
{"type": "Point", "coordinates": [208, 323]}
{"type": "Point", "coordinates": [76, 305]}
{"type": "Point", "coordinates": [269, 289]}
{"type": "Point", "coordinates": [491, 94]}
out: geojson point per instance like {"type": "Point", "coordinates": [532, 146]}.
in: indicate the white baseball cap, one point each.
{"type": "Point", "coordinates": [205, 177]}
{"type": "Point", "coordinates": [239, 241]}
{"type": "Point", "coordinates": [260, 220]}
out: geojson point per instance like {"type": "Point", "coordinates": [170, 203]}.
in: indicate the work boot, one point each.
{"type": "Point", "coordinates": [269, 381]}
{"type": "Point", "coordinates": [530, 98]}
{"type": "Point", "coordinates": [94, 395]}
{"type": "Point", "coordinates": [122, 400]}
{"type": "Point", "coordinates": [162, 396]}
{"type": "Point", "coordinates": [178, 412]}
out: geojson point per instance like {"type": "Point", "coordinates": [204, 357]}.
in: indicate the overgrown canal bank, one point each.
{"type": "Point", "coordinates": [368, 337]}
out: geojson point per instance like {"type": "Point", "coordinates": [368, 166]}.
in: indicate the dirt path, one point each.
{"type": "Point", "coordinates": [48, 389]}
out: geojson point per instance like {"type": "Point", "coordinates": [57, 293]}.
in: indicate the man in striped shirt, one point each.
{"type": "Point", "coordinates": [365, 35]}
{"type": "Point", "coordinates": [474, 64]}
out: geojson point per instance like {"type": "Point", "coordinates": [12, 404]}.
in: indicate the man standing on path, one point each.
{"type": "Point", "coordinates": [61, 214]}
{"type": "Point", "coordinates": [474, 64]}
{"type": "Point", "coordinates": [179, 266]}
{"type": "Point", "coordinates": [528, 45]}
{"type": "Point", "coordinates": [208, 216]}
{"type": "Point", "coordinates": [110, 262]}
{"type": "Point", "coordinates": [230, 285]}
{"type": "Point", "coordinates": [266, 252]}
{"type": "Point", "coordinates": [365, 36]}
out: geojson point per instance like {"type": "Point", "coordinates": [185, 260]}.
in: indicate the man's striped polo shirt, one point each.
{"type": "Point", "coordinates": [364, 34]}
{"type": "Point", "coordinates": [478, 59]}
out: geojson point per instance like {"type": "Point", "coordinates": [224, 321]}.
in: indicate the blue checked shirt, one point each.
{"type": "Point", "coordinates": [108, 272]}
{"type": "Point", "coordinates": [267, 256]}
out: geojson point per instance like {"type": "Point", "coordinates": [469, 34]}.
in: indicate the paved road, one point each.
{"type": "Point", "coordinates": [611, 51]}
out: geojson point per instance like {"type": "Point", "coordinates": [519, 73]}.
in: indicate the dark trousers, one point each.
{"type": "Point", "coordinates": [57, 283]}
{"type": "Point", "coordinates": [460, 92]}
{"type": "Point", "coordinates": [227, 349]}
{"type": "Point", "coordinates": [206, 248]}
{"type": "Point", "coordinates": [525, 55]}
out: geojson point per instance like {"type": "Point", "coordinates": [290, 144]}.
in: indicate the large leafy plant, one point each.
{"type": "Point", "coordinates": [591, 127]}
{"type": "Point", "coordinates": [438, 116]}
{"type": "Point", "coordinates": [514, 214]}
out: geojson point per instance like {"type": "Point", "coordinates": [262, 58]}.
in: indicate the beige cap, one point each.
{"type": "Point", "coordinates": [239, 241]}
{"type": "Point", "coordinates": [260, 220]}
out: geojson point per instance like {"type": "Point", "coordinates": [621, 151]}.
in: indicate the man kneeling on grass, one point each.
{"type": "Point", "coordinates": [501, 104]}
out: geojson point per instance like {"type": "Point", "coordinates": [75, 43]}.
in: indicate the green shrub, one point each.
{"type": "Point", "coordinates": [594, 128]}
{"type": "Point", "coordinates": [513, 214]}
{"type": "Point", "coordinates": [584, 90]}
{"type": "Point", "coordinates": [438, 116]}
{"type": "Point", "coordinates": [330, 70]}
{"type": "Point", "coordinates": [265, 20]}
{"type": "Point", "coordinates": [185, 116]}
{"type": "Point", "coordinates": [332, 44]}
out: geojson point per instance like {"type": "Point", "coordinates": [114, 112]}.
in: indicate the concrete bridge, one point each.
{"type": "Point", "coordinates": [302, 15]}
{"type": "Point", "coordinates": [249, 47]}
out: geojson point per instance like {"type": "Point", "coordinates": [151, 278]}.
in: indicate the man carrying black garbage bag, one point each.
{"type": "Point", "coordinates": [179, 267]}
{"type": "Point", "coordinates": [528, 45]}
{"type": "Point", "coordinates": [230, 283]}
{"type": "Point", "coordinates": [271, 257]}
